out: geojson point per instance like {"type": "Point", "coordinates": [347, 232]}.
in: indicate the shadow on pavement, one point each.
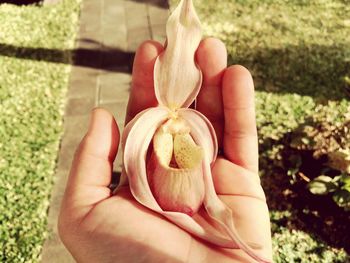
{"type": "Point", "coordinates": [21, 2]}
{"type": "Point", "coordinates": [160, 3]}
{"type": "Point", "coordinates": [99, 57]}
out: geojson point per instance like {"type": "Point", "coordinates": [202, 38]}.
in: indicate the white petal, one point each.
{"type": "Point", "coordinates": [201, 130]}
{"type": "Point", "coordinates": [177, 78]}
{"type": "Point", "coordinates": [135, 149]}
{"type": "Point", "coordinates": [222, 214]}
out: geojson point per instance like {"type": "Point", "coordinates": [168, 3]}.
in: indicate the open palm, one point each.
{"type": "Point", "coordinates": [98, 227]}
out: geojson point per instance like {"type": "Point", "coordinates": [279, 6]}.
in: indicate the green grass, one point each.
{"type": "Point", "coordinates": [32, 99]}
{"type": "Point", "coordinates": [298, 52]}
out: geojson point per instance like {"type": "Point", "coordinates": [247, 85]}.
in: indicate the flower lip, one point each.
{"type": "Point", "coordinates": [179, 188]}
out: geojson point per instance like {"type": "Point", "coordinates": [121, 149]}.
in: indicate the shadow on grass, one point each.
{"type": "Point", "coordinates": [314, 214]}
{"type": "Point", "coordinates": [312, 70]}
{"type": "Point", "coordinates": [96, 56]}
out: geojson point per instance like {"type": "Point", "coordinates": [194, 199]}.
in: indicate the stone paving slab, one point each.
{"type": "Point", "coordinates": [61, 179]}
{"type": "Point", "coordinates": [109, 33]}
{"type": "Point", "coordinates": [157, 15]}
{"type": "Point", "coordinates": [137, 36]}
{"type": "Point", "coordinates": [79, 106]}
{"type": "Point", "coordinates": [75, 126]}
{"type": "Point", "coordinates": [110, 40]}
{"type": "Point", "coordinates": [114, 87]}
{"type": "Point", "coordinates": [158, 33]}
{"type": "Point", "coordinates": [55, 252]}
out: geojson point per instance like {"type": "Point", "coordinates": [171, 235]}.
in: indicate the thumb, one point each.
{"type": "Point", "coordinates": [91, 171]}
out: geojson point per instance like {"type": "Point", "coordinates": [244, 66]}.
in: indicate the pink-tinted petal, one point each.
{"type": "Point", "coordinates": [177, 78]}
{"type": "Point", "coordinates": [123, 177]}
{"type": "Point", "coordinates": [135, 150]}
{"type": "Point", "coordinates": [199, 227]}
{"type": "Point", "coordinates": [204, 135]}
{"type": "Point", "coordinates": [222, 214]}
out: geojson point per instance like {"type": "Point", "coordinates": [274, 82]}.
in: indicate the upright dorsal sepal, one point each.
{"type": "Point", "coordinates": [177, 78]}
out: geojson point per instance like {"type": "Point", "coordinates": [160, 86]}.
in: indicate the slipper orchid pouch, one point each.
{"type": "Point", "coordinates": [168, 150]}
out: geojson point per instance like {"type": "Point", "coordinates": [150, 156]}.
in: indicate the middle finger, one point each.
{"type": "Point", "coordinates": [211, 57]}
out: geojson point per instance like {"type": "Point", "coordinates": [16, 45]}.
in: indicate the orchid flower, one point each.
{"type": "Point", "coordinates": [168, 150]}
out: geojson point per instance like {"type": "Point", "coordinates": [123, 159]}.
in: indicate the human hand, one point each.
{"type": "Point", "coordinates": [98, 227]}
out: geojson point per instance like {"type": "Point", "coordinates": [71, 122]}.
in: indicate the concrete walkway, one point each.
{"type": "Point", "coordinates": [109, 34]}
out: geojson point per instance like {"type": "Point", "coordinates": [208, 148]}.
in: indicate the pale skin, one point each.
{"type": "Point", "coordinates": [97, 226]}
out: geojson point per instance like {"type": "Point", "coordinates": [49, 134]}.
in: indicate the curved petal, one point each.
{"type": "Point", "coordinates": [177, 78]}
{"type": "Point", "coordinates": [222, 214]}
{"type": "Point", "coordinates": [202, 131]}
{"type": "Point", "coordinates": [135, 150]}
{"type": "Point", "coordinates": [123, 177]}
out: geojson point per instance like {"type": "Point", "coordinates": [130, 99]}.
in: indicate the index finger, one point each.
{"type": "Point", "coordinates": [142, 94]}
{"type": "Point", "coordinates": [212, 59]}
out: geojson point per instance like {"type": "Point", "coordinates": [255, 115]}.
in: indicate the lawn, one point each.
{"type": "Point", "coordinates": [35, 56]}
{"type": "Point", "coordinates": [298, 53]}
